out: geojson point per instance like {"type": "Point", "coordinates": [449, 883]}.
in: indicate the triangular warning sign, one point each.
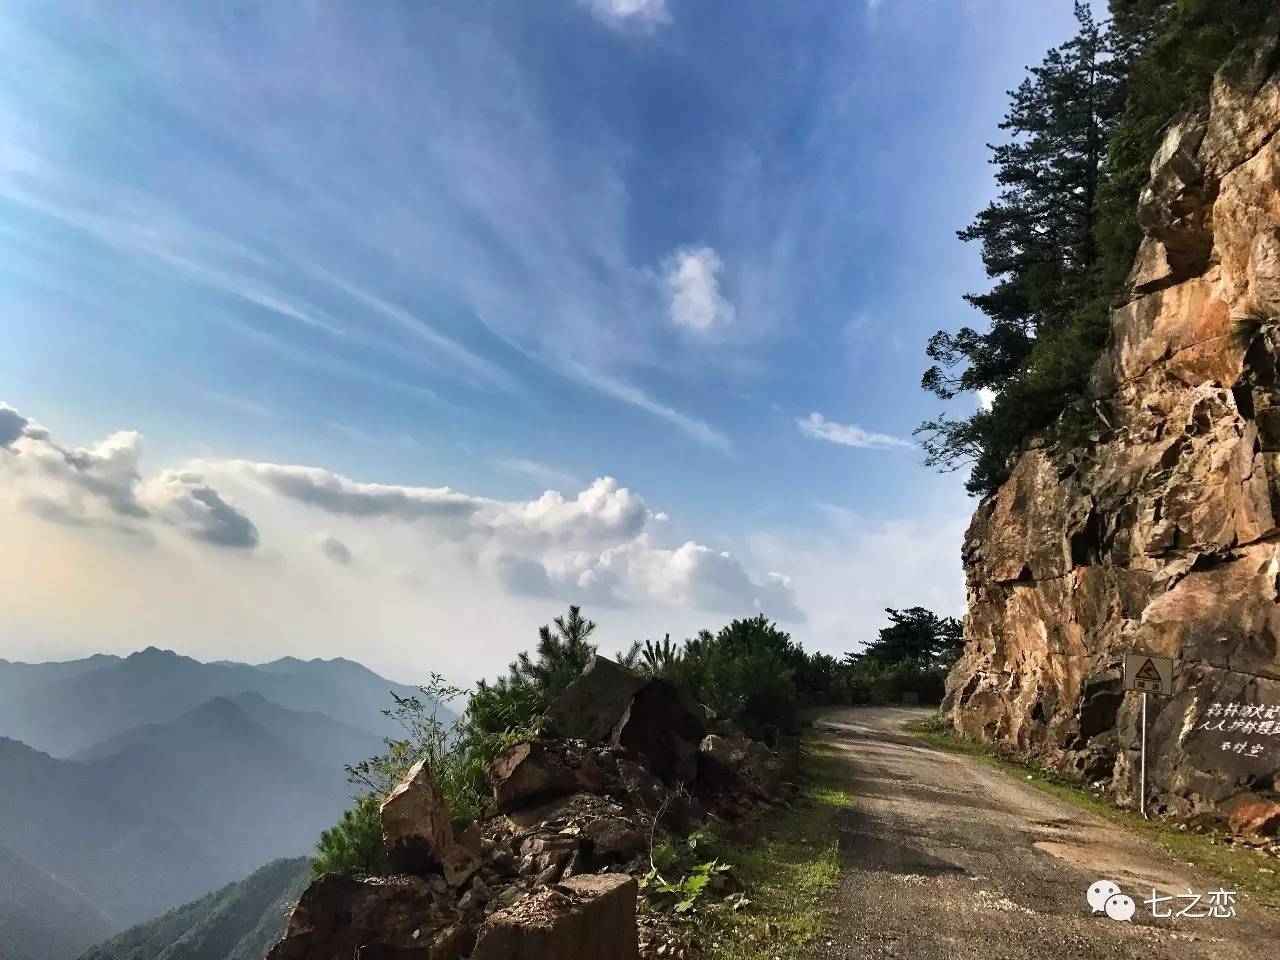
{"type": "Point", "coordinates": [1148, 671]}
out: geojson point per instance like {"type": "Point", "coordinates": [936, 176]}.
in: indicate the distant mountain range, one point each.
{"type": "Point", "coordinates": [239, 922]}
{"type": "Point", "coordinates": [131, 785]}
{"type": "Point", "coordinates": [64, 708]}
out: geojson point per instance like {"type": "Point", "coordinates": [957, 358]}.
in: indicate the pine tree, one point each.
{"type": "Point", "coordinates": [353, 846]}
{"type": "Point", "coordinates": [1059, 240]}
{"type": "Point", "coordinates": [914, 635]}
{"type": "Point", "coordinates": [533, 681]}
{"type": "Point", "coordinates": [1039, 245]}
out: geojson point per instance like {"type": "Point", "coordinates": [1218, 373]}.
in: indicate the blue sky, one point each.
{"type": "Point", "coordinates": [498, 247]}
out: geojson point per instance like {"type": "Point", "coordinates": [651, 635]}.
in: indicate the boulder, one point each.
{"type": "Point", "coordinates": [1252, 817]}
{"type": "Point", "coordinates": [591, 706]}
{"type": "Point", "coordinates": [614, 837]}
{"type": "Point", "coordinates": [664, 726]}
{"type": "Point", "coordinates": [458, 864]}
{"type": "Point", "coordinates": [341, 917]}
{"type": "Point", "coordinates": [588, 917]}
{"type": "Point", "coordinates": [540, 770]}
{"type": "Point", "coordinates": [740, 764]}
{"type": "Point", "coordinates": [415, 823]}
{"type": "Point", "coordinates": [417, 831]}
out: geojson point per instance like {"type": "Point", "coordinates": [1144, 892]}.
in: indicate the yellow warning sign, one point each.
{"type": "Point", "coordinates": [1148, 671]}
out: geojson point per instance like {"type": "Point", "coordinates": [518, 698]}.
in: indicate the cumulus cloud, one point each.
{"type": "Point", "coordinates": [101, 486]}
{"type": "Point", "coordinates": [335, 549]}
{"type": "Point", "coordinates": [605, 509]}
{"type": "Point", "coordinates": [12, 424]}
{"type": "Point", "coordinates": [337, 494]}
{"type": "Point", "coordinates": [646, 13]}
{"type": "Point", "coordinates": [694, 300]}
{"type": "Point", "coordinates": [593, 547]}
{"type": "Point", "coordinates": [986, 398]}
{"type": "Point", "coordinates": [818, 427]}
{"type": "Point", "coordinates": [522, 576]}
{"type": "Point", "coordinates": [691, 575]}
{"type": "Point", "coordinates": [430, 557]}
{"type": "Point", "coordinates": [184, 500]}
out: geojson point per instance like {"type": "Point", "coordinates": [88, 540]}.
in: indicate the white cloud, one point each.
{"type": "Point", "coordinates": [818, 427]}
{"type": "Point", "coordinates": [592, 545]}
{"type": "Point", "coordinates": [335, 549]}
{"type": "Point", "coordinates": [446, 580]}
{"type": "Point", "coordinates": [691, 575]}
{"type": "Point", "coordinates": [12, 424]}
{"type": "Point", "coordinates": [184, 500]}
{"type": "Point", "coordinates": [694, 300]}
{"type": "Point", "coordinates": [846, 573]}
{"type": "Point", "coordinates": [986, 398]}
{"type": "Point", "coordinates": [648, 13]}
{"type": "Point", "coordinates": [100, 486]}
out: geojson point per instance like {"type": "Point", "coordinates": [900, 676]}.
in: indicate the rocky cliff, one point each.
{"type": "Point", "coordinates": [1162, 534]}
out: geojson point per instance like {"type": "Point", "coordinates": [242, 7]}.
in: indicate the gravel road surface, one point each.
{"type": "Point", "coordinates": [945, 857]}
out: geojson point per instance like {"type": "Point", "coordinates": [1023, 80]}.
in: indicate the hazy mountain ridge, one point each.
{"type": "Point", "coordinates": [66, 821]}
{"type": "Point", "coordinates": [265, 794]}
{"type": "Point", "coordinates": [41, 915]}
{"type": "Point", "coordinates": [136, 818]}
{"type": "Point", "coordinates": [62, 709]}
{"type": "Point", "coordinates": [238, 922]}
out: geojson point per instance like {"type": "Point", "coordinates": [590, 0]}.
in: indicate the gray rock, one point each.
{"type": "Point", "coordinates": [595, 920]}
{"type": "Point", "coordinates": [592, 705]}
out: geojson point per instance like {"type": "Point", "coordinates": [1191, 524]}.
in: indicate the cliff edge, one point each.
{"type": "Point", "coordinates": [1161, 534]}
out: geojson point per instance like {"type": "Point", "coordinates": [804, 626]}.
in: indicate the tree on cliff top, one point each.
{"type": "Point", "coordinates": [915, 635]}
{"type": "Point", "coordinates": [1038, 244]}
{"type": "Point", "coordinates": [533, 681]}
{"type": "Point", "coordinates": [1060, 239]}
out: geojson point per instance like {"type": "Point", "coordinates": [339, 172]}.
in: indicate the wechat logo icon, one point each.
{"type": "Point", "coordinates": [1104, 896]}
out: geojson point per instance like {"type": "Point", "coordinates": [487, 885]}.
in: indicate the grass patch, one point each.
{"type": "Point", "coordinates": [1238, 868]}
{"type": "Point", "coordinates": [785, 874]}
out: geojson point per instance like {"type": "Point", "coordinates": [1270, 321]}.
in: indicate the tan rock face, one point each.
{"type": "Point", "coordinates": [338, 917]}
{"type": "Point", "coordinates": [415, 823]}
{"type": "Point", "coordinates": [592, 917]}
{"type": "Point", "coordinates": [1164, 536]}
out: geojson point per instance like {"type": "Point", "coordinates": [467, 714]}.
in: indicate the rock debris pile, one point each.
{"type": "Point", "coordinates": [552, 875]}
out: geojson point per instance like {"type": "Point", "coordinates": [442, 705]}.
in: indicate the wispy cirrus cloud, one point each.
{"type": "Point", "coordinates": [817, 427]}
{"type": "Point", "coordinates": [537, 471]}
{"type": "Point", "coordinates": [699, 430]}
{"type": "Point", "coordinates": [451, 233]}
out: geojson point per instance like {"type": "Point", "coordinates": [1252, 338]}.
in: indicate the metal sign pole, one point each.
{"type": "Point", "coordinates": [1142, 776]}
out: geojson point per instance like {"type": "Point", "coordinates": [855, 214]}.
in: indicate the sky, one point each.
{"type": "Point", "coordinates": [388, 330]}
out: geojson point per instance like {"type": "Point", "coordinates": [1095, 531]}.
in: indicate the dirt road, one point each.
{"type": "Point", "coordinates": [945, 857]}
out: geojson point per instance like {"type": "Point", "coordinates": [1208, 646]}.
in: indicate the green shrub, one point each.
{"type": "Point", "coordinates": [518, 700]}
{"type": "Point", "coordinates": [353, 846]}
{"type": "Point", "coordinates": [746, 673]}
{"type": "Point", "coordinates": [448, 753]}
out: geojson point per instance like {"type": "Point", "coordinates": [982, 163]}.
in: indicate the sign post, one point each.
{"type": "Point", "coordinates": [1146, 674]}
